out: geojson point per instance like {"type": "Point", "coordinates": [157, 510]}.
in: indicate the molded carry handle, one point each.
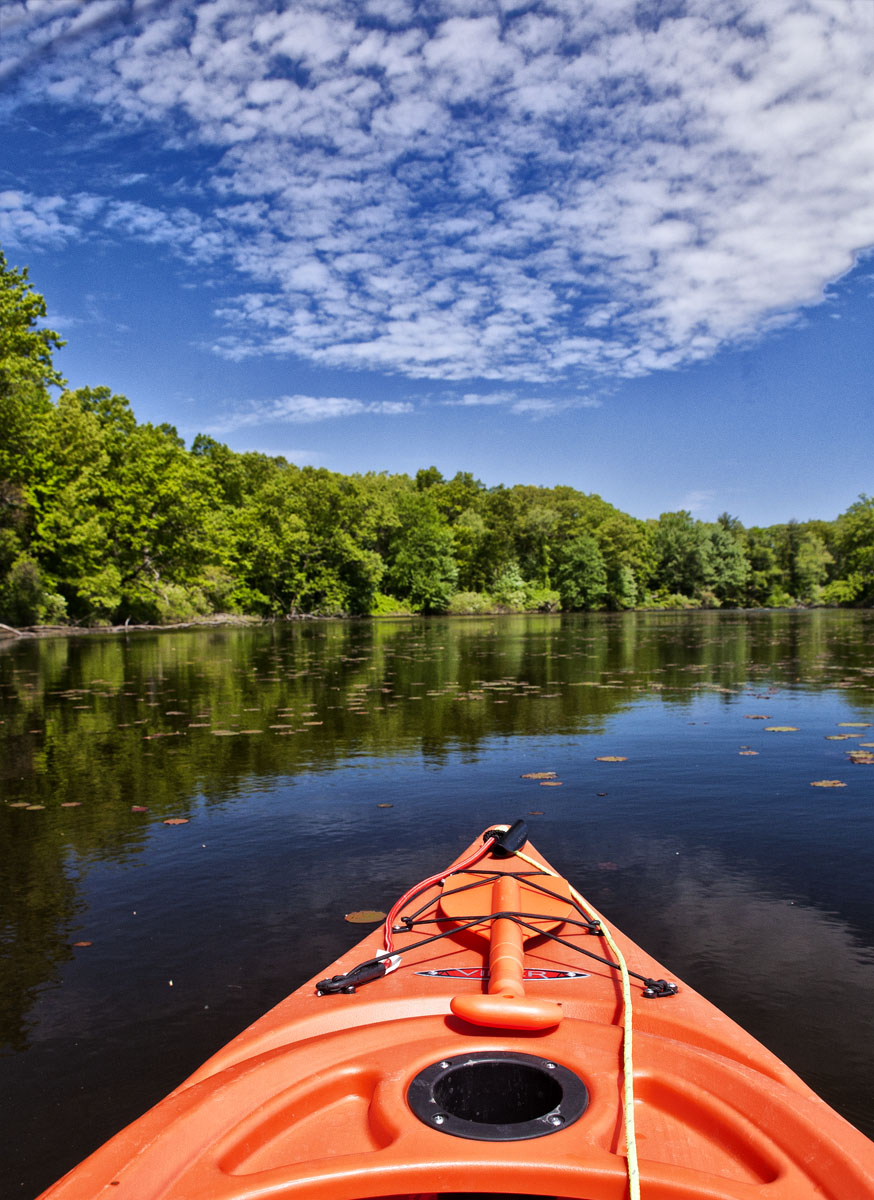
{"type": "Point", "coordinates": [506, 1006]}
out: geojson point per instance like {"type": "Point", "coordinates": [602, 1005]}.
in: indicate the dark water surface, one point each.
{"type": "Point", "coordinates": [278, 744]}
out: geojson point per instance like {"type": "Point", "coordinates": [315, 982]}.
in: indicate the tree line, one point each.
{"type": "Point", "coordinates": [104, 519]}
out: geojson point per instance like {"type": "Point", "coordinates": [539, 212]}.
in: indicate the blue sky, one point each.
{"type": "Point", "coordinates": [623, 246]}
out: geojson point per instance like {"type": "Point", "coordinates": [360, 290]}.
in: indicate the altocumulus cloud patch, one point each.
{"type": "Point", "coordinates": [464, 190]}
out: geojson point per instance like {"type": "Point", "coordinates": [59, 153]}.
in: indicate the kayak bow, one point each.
{"type": "Point", "coordinates": [481, 1044]}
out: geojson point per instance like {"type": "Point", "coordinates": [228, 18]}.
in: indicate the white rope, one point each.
{"type": "Point", "coordinates": [627, 1060]}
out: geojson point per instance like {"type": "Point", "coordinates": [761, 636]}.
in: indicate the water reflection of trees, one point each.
{"type": "Point", "coordinates": [96, 726]}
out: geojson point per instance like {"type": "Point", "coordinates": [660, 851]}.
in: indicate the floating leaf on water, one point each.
{"type": "Point", "coordinates": [757, 716]}
{"type": "Point", "coordinates": [540, 775]}
{"type": "Point", "coordinates": [385, 806]}
{"type": "Point", "coordinates": [611, 758]}
{"type": "Point", "coordinates": [367, 916]}
{"type": "Point", "coordinates": [35, 807]}
{"type": "Point", "coordinates": [550, 783]}
{"type": "Point", "coordinates": [224, 733]}
{"type": "Point", "coordinates": [839, 737]}
{"type": "Point", "coordinates": [782, 729]}
{"type": "Point", "coordinates": [827, 783]}
{"type": "Point", "coordinates": [748, 752]}
{"type": "Point", "coordinates": [83, 943]}
{"type": "Point", "coordinates": [535, 812]}
{"type": "Point", "coordinates": [854, 724]}
{"type": "Point", "coordinates": [138, 808]}
{"type": "Point", "coordinates": [176, 821]}
{"type": "Point", "coordinates": [71, 804]}
{"type": "Point", "coordinates": [18, 804]}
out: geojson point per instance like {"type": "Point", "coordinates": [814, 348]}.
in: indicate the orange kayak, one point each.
{"type": "Point", "coordinates": [495, 1037]}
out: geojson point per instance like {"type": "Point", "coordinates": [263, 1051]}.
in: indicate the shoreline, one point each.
{"type": "Point", "coordinates": [10, 634]}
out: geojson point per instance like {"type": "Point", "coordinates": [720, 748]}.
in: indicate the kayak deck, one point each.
{"type": "Point", "coordinates": [489, 1061]}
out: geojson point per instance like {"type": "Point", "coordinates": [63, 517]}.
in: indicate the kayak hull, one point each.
{"type": "Point", "coordinates": [386, 1091]}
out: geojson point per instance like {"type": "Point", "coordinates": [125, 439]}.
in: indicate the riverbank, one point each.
{"type": "Point", "coordinates": [8, 632]}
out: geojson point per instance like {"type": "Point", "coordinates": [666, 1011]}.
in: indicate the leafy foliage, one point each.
{"type": "Point", "coordinates": [105, 519]}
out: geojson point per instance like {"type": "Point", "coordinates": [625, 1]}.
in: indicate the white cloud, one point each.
{"type": "Point", "coordinates": [304, 410]}
{"type": "Point", "coordinates": [490, 193]}
{"type": "Point", "coordinates": [696, 502]}
{"type": "Point", "coordinates": [27, 220]}
{"type": "Point", "coordinates": [532, 406]}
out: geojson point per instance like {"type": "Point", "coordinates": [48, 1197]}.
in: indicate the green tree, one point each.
{"type": "Point", "coordinates": [810, 567]}
{"type": "Point", "coordinates": [422, 565]}
{"type": "Point", "coordinates": [854, 552]}
{"type": "Point", "coordinates": [580, 574]}
{"type": "Point", "coordinates": [510, 589]}
{"type": "Point", "coordinates": [71, 511]}
{"type": "Point", "coordinates": [682, 550]}
{"type": "Point", "coordinates": [765, 574]}
{"type": "Point", "coordinates": [26, 371]}
{"type": "Point", "coordinates": [728, 569]}
{"type": "Point", "coordinates": [343, 565]}
{"type": "Point", "coordinates": [462, 493]}
{"type": "Point", "coordinates": [537, 527]}
{"type": "Point", "coordinates": [269, 551]}
{"type": "Point", "coordinates": [428, 477]}
{"type": "Point", "coordinates": [499, 510]}
{"type": "Point", "coordinates": [470, 548]}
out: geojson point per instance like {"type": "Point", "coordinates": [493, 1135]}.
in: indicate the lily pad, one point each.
{"type": "Point", "coordinates": [827, 783]}
{"type": "Point", "coordinates": [366, 916]}
{"type": "Point", "coordinates": [611, 758]}
{"type": "Point", "coordinates": [550, 783]}
{"type": "Point", "coordinates": [781, 729]}
{"type": "Point", "coordinates": [540, 775]}
{"type": "Point", "coordinates": [176, 821]}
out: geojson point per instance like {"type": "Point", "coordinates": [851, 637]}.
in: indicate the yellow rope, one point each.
{"type": "Point", "coordinates": [627, 1063]}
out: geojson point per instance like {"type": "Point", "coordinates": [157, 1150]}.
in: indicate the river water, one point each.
{"type": "Point", "coordinates": [316, 768]}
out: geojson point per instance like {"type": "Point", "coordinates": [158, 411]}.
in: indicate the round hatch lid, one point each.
{"type": "Point", "coordinates": [497, 1096]}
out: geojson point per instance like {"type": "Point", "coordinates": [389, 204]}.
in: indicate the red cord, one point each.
{"type": "Point", "coordinates": [479, 853]}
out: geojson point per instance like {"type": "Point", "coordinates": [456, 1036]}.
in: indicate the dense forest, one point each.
{"type": "Point", "coordinates": [104, 519]}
